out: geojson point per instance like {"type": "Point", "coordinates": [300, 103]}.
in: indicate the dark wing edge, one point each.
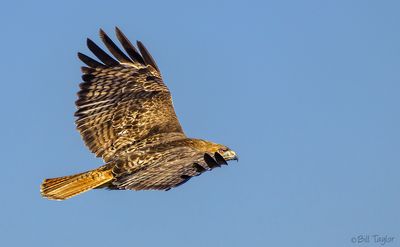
{"type": "Point", "coordinates": [199, 167]}
{"type": "Point", "coordinates": [141, 57]}
{"type": "Point", "coordinates": [174, 173]}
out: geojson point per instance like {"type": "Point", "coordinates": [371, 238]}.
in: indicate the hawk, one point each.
{"type": "Point", "coordinates": [125, 116]}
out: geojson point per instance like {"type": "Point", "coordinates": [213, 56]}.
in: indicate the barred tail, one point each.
{"type": "Point", "coordinates": [66, 187]}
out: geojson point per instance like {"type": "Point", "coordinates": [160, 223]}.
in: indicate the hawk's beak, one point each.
{"type": "Point", "coordinates": [231, 155]}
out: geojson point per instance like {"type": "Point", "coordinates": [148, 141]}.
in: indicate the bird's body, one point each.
{"type": "Point", "coordinates": [125, 115]}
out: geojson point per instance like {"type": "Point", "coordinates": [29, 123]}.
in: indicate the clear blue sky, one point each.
{"type": "Point", "coordinates": [307, 93]}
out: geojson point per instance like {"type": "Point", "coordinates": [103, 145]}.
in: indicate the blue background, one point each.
{"type": "Point", "coordinates": [307, 93]}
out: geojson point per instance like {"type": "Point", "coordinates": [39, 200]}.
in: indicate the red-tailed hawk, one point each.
{"type": "Point", "coordinates": [125, 115]}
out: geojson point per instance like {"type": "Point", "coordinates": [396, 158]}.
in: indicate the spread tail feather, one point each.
{"type": "Point", "coordinates": [66, 187]}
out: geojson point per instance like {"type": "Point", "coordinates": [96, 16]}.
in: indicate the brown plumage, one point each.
{"type": "Point", "coordinates": [125, 115]}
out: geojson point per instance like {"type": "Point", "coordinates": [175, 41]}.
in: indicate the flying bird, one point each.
{"type": "Point", "coordinates": [125, 116]}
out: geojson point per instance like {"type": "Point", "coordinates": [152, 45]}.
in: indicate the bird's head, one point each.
{"type": "Point", "coordinates": [214, 148]}
{"type": "Point", "coordinates": [227, 153]}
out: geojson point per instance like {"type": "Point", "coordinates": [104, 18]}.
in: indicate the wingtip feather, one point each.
{"type": "Point", "coordinates": [146, 55]}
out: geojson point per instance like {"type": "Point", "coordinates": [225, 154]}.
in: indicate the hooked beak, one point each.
{"type": "Point", "coordinates": [231, 155]}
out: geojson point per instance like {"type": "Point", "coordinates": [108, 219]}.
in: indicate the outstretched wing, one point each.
{"type": "Point", "coordinates": [163, 170]}
{"type": "Point", "coordinates": [123, 100]}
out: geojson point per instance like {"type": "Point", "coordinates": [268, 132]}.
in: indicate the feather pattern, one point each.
{"type": "Point", "coordinates": [121, 102]}
{"type": "Point", "coordinates": [180, 161]}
